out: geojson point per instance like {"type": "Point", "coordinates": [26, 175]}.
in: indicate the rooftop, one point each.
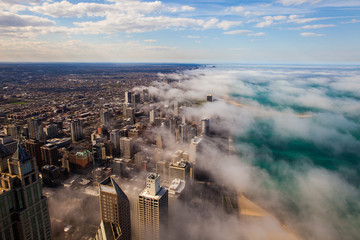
{"type": "Point", "coordinates": [110, 186]}
{"type": "Point", "coordinates": [155, 197]}
{"type": "Point", "coordinates": [196, 140]}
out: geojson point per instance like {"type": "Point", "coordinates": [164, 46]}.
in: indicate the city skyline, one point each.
{"type": "Point", "coordinates": [278, 31]}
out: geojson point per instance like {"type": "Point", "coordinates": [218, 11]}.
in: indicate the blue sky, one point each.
{"type": "Point", "coordinates": [278, 31]}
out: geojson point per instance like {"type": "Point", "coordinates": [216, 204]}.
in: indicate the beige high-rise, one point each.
{"type": "Point", "coordinates": [153, 210]}
{"type": "Point", "coordinates": [115, 212]}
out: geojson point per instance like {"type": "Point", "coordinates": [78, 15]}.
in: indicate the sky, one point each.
{"type": "Point", "coordinates": [204, 31]}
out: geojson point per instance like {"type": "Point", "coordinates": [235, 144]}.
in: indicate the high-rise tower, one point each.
{"type": "Point", "coordinates": [153, 209]}
{"type": "Point", "coordinates": [23, 209]}
{"type": "Point", "coordinates": [76, 130]}
{"type": "Point", "coordinates": [115, 140]}
{"type": "Point", "coordinates": [114, 211]}
{"type": "Point", "coordinates": [205, 127]}
{"type": "Point", "coordinates": [128, 97]}
{"type": "Point", "coordinates": [35, 129]}
{"type": "Point", "coordinates": [105, 118]}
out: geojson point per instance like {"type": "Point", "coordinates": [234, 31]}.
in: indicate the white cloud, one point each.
{"type": "Point", "coordinates": [225, 24]}
{"type": "Point", "coordinates": [241, 10]}
{"type": "Point", "coordinates": [305, 20]}
{"type": "Point", "coordinates": [150, 40]}
{"type": "Point", "coordinates": [14, 20]}
{"type": "Point", "coordinates": [136, 23]}
{"type": "Point", "coordinates": [297, 2]}
{"type": "Point", "coordinates": [257, 34]}
{"type": "Point", "coordinates": [67, 9]}
{"type": "Point", "coordinates": [351, 21]}
{"type": "Point", "coordinates": [270, 20]}
{"type": "Point", "coordinates": [187, 8]}
{"type": "Point", "coordinates": [211, 23]}
{"type": "Point", "coordinates": [247, 32]}
{"type": "Point", "coordinates": [175, 9]}
{"type": "Point", "coordinates": [237, 32]}
{"type": "Point", "coordinates": [22, 1]}
{"type": "Point", "coordinates": [316, 26]}
{"type": "Point", "coordinates": [310, 34]}
{"type": "Point", "coordinates": [80, 51]}
{"type": "Point", "coordinates": [265, 23]}
{"type": "Point", "coordinates": [238, 9]}
{"type": "Point", "coordinates": [194, 37]}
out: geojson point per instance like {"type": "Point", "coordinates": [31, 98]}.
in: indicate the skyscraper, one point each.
{"type": "Point", "coordinates": [105, 118]}
{"type": "Point", "coordinates": [50, 154]}
{"type": "Point", "coordinates": [98, 154]}
{"type": "Point", "coordinates": [35, 129]}
{"type": "Point", "coordinates": [115, 140]}
{"type": "Point", "coordinates": [205, 127]}
{"type": "Point", "coordinates": [24, 211]}
{"type": "Point", "coordinates": [152, 116]}
{"type": "Point", "coordinates": [135, 99]}
{"type": "Point", "coordinates": [114, 212]}
{"type": "Point", "coordinates": [51, 131]}
{"type": "Point", "coordinates": [130, 113]}
{"type": "Point", "coordinates": [180, 170]}
{"type": "Point", "coordinates": [127, 97]}
{"type": "Point", "coordinates": [127, 147]}
{"type": "Point", "coordinates": [153, 210]}
{"type": "Point", "coordinates": [194, 148]}
{"type": "Point", "coordinates": [33, 147]}
{"type": "Point", "coordinates": [76, 130]}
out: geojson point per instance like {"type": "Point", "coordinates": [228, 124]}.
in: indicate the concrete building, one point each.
{"type": "Point", "coordinates": [105, 118]}
{"type": "Point", "coordinates": [152, 116]}
{"type": "Point", "coordinates": [83, 158]}
{"type": "Point", "coordinates": [130, 113]}
{"type": "Point", "coordinates": [153, 210]}
{"type": "Point", "coordinates": [35, 129]}
{"type": "Point", "coordinates": [50, 154]}
{"type": "Point", "coordinates": [76, 130]}
{"type": "Point", "coordinates": [33, 147]}
{"type": "Point", "coordinates": [180, 170]}
{"type": "Point", "coordinates": [114, 211]}
{"type": "Point", "coordinates": [99, 154]}
{"type": "Point", "coordinates": [205, 127]}
{"type": "Point", "coordinates": [135, 99]}
{"type": "Point", "coordinates": [195, 148]}
{"type": "Point", "coordinates": [24, 210]}
{"type": "Point", "coordinates": [9, 143]}
{"type": "Point", "coordinates": [115, 140]}
{"type": "Point", "coordinates": [51, 131]}
{"type": "Point", "coordinates": [13, 130]}
{"type": "Point", "coordinates": [127, 147]}
{"type": "Point", "coordinates": [128, 97]}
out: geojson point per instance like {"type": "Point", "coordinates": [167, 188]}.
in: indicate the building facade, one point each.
{"type": "Point", "coordinates": [76, 130]}
{"type": "Point", "coordinates": [114, 212]}
{"type": "Point", "coordinates": [23, 209]}
{"type": "Point", "coordinates": [105, 118]}
{"type": "Point", "coordinates": [153, 210]}
{"type": "Point", "coordinates": [127, 147]}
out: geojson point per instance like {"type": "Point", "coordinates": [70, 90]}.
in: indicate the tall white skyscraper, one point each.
{"type": "Point", "coordinates": [153, 210]}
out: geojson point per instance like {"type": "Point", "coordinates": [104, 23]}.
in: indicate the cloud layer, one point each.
{"type": "Point", "coordinates": [297, 135]}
